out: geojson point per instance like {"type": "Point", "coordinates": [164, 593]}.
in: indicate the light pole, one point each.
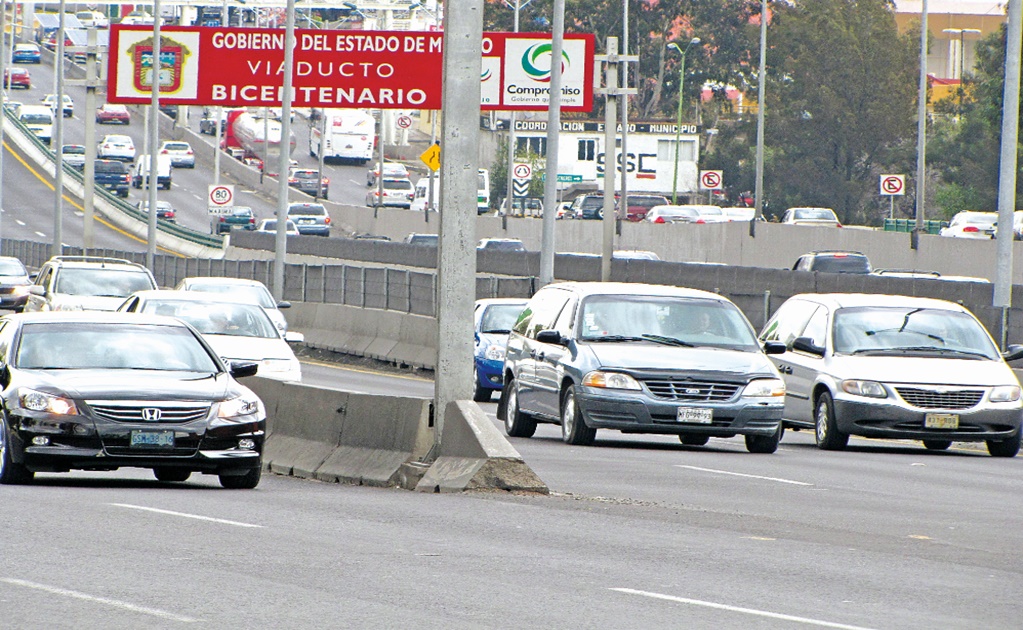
{"type": "Point", "coordinates": [678, 124]}
{"type": "Point", "coordinates": [961, 32]}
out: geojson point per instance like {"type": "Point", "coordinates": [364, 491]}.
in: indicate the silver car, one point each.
{"type": "Point", "coordinates": [896, 367]}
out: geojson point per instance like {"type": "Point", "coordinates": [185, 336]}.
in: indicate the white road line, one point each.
{"type": "Point", "coordinates": [185, 515]}
{"type": "Point", "coordinates": [18, 221]}
{"type": "Point", "coordinates": [747, 611]}
{"type": "Point", "coordinates": [735, 474]}
{"type": "Point", "coordinates": [40, 234]}
{"type": "Point", "coordinates": [53, 590]}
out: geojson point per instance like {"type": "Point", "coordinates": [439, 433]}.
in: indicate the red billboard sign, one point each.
{"type": "Point", "coordinates": [238, 67]}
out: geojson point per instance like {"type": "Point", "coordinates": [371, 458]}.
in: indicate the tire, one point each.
{"type": "Point", "coordinates": [479, 393]}
{"type": "Point", "coordinates": [11, 473]}
{"type": "Point", "coordinates": [693, 440]}
{"type": "Point", "coordinates": [171, 474]}
{"type": "Point", "coordinates": [937, 445]}
{"type": "Point", "coordinates": [763, 443]}
{"type": "Point", "coordinates": [573, 426]}
{"type": "Point", "coordinates": [248, 481]}
{"type": "Point", "coordinates": [829, 438]}
{"type": "Point", "coordinates": [1004, 448]}
{"type": "Point", "coordinates": [516, 423]}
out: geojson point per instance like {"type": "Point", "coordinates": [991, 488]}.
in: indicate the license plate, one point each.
{"type": "Point", "coordinates": [306, 221]}
{"type": "Point", "coordinates": [941, 421]}
{"type": "Point", "coordinates": [157, 439]}
{"type": "Point", "coordinates": [695, 415]}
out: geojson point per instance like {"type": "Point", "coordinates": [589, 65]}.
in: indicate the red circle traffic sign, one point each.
{"type": "Point", "coordinates": [522, 171]}
{"type": "Point", "coordinates": [404, 122]}
{"type": "Point", "coordinates": [221, 196]}
{"type": "Point", "coordinates": [711, 179]}
{"type": "Point", "coordinates": [892, 185]}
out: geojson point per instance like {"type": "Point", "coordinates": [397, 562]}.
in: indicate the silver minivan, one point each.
{"type": "Point", "coordinates": [895, 367]}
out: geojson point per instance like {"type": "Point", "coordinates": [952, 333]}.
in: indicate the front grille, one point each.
{"type": "Point", "coordinates": [140, 411]}
{"type": "Point", "coordinates": [934, 399]}
{"type": "Point", "coordinates": [688, 390]}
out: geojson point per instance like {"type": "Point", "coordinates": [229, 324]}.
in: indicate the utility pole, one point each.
{"type": "Point", "coordinates": [550, 191]}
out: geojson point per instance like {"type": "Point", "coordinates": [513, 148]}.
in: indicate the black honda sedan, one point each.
{"type": "Point", "coordinates": [100, 391]}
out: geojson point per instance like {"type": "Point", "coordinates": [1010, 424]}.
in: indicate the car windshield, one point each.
{"type": "Point", "coordinates": [397, 184]}
{"type": "Point", "coordinates": [505, 246]}
{"type": "Point", "coordinates": [308, 209]}
{"type": "Point", "coordinates": [220, 318]}
{"type": "Point", "coordinates": [176, 146]}
{"type": "Point", "coordinates": [499, 318]}
{"type": "Point", "coordinates": [110, 167]}
{"type": "Point", "coordinates": [665, 319]}
{"type": "Point", "coordinates": [841, 264]}
{"type": "Point", "coordinates": [73, 149]}
{"type": "Point", "coordinates": [885, 329]}
{"type": "Point", "coordinates": [102, 282]}
{"type": "Point", "coordinates": [815, 213]}
{"type": "Point", "coordinates": [12, 268]}
{"type": "Point", "coordinates": [37, 119]}
{"type": "Point", "coordinates": [247, 293]}
{"type": "Point", "coordinates": [118, 346]}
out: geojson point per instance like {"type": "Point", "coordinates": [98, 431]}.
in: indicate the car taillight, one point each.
{"type": "Point", "coordinates": [838, 225]}
{"type": "Point", "coordinates": [252, 220]}
{"type": "Point", "coordinates": [700, 221]}
{"type": "Point", "coordinates": [327, 221]}
{"type": "Point", "coordinates": [970, 228]}
{"type": "Point", "coordinates": [222, 219]}
{"type": "Point", "coordinates": [170, 214]}
{"type": "Point", "coordinates": [189, 152]}
{"type": "Point", "coordinates": [659, 220]}
{"type": "Point", "coordinates": [164, 152]}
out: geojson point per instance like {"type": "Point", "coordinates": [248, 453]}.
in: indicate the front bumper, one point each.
{"type": "Point", "coordinates": [490, 373]}
{"type": "Point", "coordinates": [881, 419]}
{"type": "Point", "coordinates": [636, 412]}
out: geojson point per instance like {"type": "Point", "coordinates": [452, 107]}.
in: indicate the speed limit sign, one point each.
{"type": "Point", "coordinates": [404, 122]}
{"type": "Point", "coordinates": [711, 180]}
{"type": "Point", "coordinates": [221, 199]}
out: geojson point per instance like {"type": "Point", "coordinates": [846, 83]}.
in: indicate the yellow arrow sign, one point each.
{"type": "Point", "coordinates": [431, 157]}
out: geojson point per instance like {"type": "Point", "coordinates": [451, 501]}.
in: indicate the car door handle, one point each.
{"type": "Point", "coordinates": [785, 369]}
{"type": "Point", "coordinates": [539, 356]}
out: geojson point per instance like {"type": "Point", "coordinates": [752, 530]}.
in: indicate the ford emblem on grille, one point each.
{"type": "Point", "coordinates": [692, 391]}
{"type": "Point", "coordinates": [151, 414]}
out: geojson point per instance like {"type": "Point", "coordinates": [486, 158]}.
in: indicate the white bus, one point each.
{"type": "Point", "coordinates": [423, 191]}
{"type": "Point", "coordinates": [349, 137]}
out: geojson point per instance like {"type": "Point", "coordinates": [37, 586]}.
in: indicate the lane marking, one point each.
{"type": "Point", "coordinates": [735, 474]}
{"type": "Point", "coordinates": [53, 590]}
{"type": "Point", "coordinates": [186, 515]}
{"type": "Point", "coordinates": [747, 611]}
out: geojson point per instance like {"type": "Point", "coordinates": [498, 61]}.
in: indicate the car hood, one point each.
{"type": "Point", "coordinates": [248, 348]}
{"type": "Point", "coordinates": [922, 370]}
{"type": "Point", "coordinates": [635, 355]}
{"type": "Point", "coordinates": [493, 339]}
{"type": "Point", "coordinates": [139, 384]}
{"type": "Point", "coordinates": [89, 302]}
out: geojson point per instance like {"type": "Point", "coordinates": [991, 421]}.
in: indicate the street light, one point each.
{"type": "Point", "coordinates": [678, 125]}
{"type": "Point", "coordinates": [962, 56]}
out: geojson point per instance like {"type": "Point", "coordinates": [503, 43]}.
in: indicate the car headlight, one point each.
{"type": "Point", "coordinates": [610, 380]}
{"type": "Point", "coordinates": [20, 290]}
{"type": "Point", "coordinates": [244, 405]}
{"type": "Point", "coordinates": [1005, 393]}
{"type": "Point", "coordinates": [870, 389]}
{"type": "Point", "coordinates": [39, 401]}
{"type": "Point", "coordinates": [494, 353]}
{"type": "Point", "coordinates": [764, 388]}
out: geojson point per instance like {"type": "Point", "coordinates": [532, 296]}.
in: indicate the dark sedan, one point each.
{"type": "Point", "coordinates": [101, 391]}
{"type": "Point", "coordinates": [14, 283]}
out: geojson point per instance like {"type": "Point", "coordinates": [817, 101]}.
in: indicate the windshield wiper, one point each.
{"type": "Point", "coordinates": [669, 341]}
{"type": "Point", "coordinates": [614, 338]}
{"type": "Point", "coordinates": [935, 349]}
{"type": "Point", "coordinates": [496, 331]}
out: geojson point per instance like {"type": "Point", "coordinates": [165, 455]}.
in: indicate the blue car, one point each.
{"type": "Point", "coordinates": [26, 53]}
{"type": "Point", "coordinates": [493, 320]}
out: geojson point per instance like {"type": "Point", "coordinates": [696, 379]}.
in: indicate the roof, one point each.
{"type": "Point", "coordinates": [93, 261]}
{"type": "Point", "coordinates": [853, 300]}
{"type": "Point", "coordinates": [97, 317]}
{"type": "Point", "coordinates": [636, 288]}
{"type": "Point", "coordinates": [221, 279]}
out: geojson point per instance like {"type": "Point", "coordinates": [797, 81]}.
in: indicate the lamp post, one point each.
{"type": "Point", "coordinates": [678, 124]}
{"type": "Point", "coordinates": [961, 32]}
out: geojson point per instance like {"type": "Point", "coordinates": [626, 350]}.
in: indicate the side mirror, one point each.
{"type": "Point", "coordinates": [774, 347]}
{"type": "Point", "coordinates": [1013, 352]}
{"type": "Point", "coordinates": [805, 344]}
{"type": "Point", "coordinates": [241, 369]}
{"type": "Point", "coordinates": [550, 336]}
{"type": "Point", "coordinates": [37, 289]}
{"type": "Point", "coordinates": [283, 304]}
{"type": "Point", "coordinates": [294, 337]}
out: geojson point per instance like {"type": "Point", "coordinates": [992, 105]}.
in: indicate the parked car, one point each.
{"type": "Point", "coordinates": [394, 170]}
{"type": "Point", "coordinates": [26, 53]}
{"type": "Point", "coordinates": [110, 113]}
{"type": "Point", "coordinates": [112, 390]}
{"type": "Point", "coordinates": [822, 217]}
{"type": "Point", "coordinates": [241, 217]}
{"type": "Point", "coordinates": [833, 262]}
{"type": "Point", "coordinates": [86, 283]}
{"type": "Point", "coordinates": [180, 153]}
{"type": "Point", "coordinates": [73, 155]}
{"type": "Point", "coordinates": [17, 78]}
{"type": "Point", "coordinates": [112, 175]}
{"type": "Point", "coordinates": [971, 225]}
{"type": "Point", "coordinates": [640, 359]}
{"type": "Point", "coordinates": [397, 193]}
{"type": "Point", "coordinates": [310, 218]}
{"type": "Point", "coordinates": [309, 181]}
{"type": "Point", "coordinates": [493, 320]}
{"type": "Point", "coordinates": [270, 226]}
{"type": "Point", "coordinates": [239, 290]}
{"type": "Point", "coordinates": [500, 245]}
{"type": "Point", "coordinates": [237, 331]}
{"type": "Point", "coordinates": [14, 283]}
{"type": "Point", "coordinates": [895, 367]}
{"type": "Point", "coordinates": [636, 206]}
{"type": "Point", "coordinates": [116, 147]}
{"type": "Point", "coordinates": [164, 209]}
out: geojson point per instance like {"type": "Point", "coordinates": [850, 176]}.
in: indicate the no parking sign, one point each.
{"type": "Point", "coordinates": [711, 180]}
{"type": "Point", "coordinates": [893, 184]}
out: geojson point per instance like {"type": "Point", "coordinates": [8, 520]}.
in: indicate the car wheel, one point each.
{"type": "Point", "coordinates": [171, 474]}
{"type": "Point", "coordinates": [1004, 448]}
{"type": "Point", "coordinates": [479, 393]}
{"type": "Point", "coordinates": [693, 440]}
{"type": "Point", "coordinates": [763, 443]}
{"type": "Point", "coordinates": [573, 426]}
{"type": "Point", "coordinates": [829, 438]}
{"type": "Point", "coordinates": [937, 445]}
{"type": "Point", "coordinates": [248, 481]}
{"type": "Point", "coordinates": [516, 423]}
{"type": "Point", "coordinates": [11, 473]}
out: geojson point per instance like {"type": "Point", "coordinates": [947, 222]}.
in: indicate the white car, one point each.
{"type": "Point", "coordinates": [93, 19]}
{"type": "Point", "coordinates": [74, 155]}
{"type": "Point", "coordinates": [50, 100]}
{"type": "Point", "coordinates": [116, 147]}
{"type": "Point", "coordinates": [971, 225]}
{"type": "Point", "coordinates": [824, 217]}
{"type": "Point", "coordinates": [398, 192]}
{"type": "Point", "coordinates": [235, 330]}
{"type": "Point", "coordinates": [181, 154]}
{"type": "Point", "coordinates": [239, 290]}
{"type": "Point", "coordinates": [394, 170]}
{"type": "Point", "coordinates": [269, 226]}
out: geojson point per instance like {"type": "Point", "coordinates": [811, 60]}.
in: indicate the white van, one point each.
{"type": "Point", "coordinates": [39, 120]}
{"type": "Point", "coordinates": [419, 199]}
{"type": "Point", "coordinates": [140, 172]}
